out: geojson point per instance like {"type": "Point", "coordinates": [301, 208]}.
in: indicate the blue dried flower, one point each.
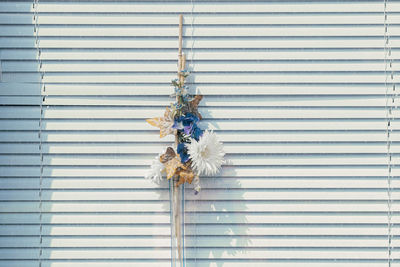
{"type": "Point", "coordinates": [196, 132]}
{"type": "Point", "coordinates": [188, 120]}
{"type": "Point", "coordinates": [183, 152]}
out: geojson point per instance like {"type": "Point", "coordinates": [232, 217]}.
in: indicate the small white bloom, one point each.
{"type": "Point", "coordinates": [156, 171]}
{"type": "Point", "coordinates": [207, 154]}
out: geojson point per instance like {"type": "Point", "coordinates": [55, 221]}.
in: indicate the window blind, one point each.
{"type": "Point", "coordinates": [296, 90]}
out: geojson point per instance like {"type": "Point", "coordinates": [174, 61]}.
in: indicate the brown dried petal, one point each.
{"type": "Point", "coordinates": [185, 176]}
{"type": "Point", "coordinates": [194, 104]}
{"type": "Point", "coordinates": [168, 155]}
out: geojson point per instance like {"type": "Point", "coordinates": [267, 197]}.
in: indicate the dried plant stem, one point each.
{"type": "Point", "coordinates": [175, 190]}
{"type": "Point", "coordinates": [177, 221]}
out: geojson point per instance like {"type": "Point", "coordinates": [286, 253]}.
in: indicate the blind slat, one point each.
{"type": "Point", "coordinates": [295, 90]}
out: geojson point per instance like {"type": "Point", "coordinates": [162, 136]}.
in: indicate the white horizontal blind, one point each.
{"type": "Point", "coordinates": [295, 90]}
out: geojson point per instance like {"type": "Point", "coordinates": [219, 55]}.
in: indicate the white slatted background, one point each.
{"type": "Point", "coordinates": [294, 89]}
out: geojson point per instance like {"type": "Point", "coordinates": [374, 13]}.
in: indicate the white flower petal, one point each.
{"type": "Point", "coordinates": [156, 170]}
{"type": "Point", "coordinates": [207, 154]}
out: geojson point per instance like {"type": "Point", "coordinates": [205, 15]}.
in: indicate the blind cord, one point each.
{"type": "Point", "coordinates": [192, 69]}
{"type": "Point", "coordinates": [191, 34]}
{"type": "Point", "coordinates": [389, 127]}
{"type": "Point", "coordinates": [42, 88]}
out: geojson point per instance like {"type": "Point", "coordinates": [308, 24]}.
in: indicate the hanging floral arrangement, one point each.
{"type": "Point", "coordinates": [197, 151]}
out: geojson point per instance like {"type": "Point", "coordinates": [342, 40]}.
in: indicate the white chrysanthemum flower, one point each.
{"type": "Point", "coordinates": [207, 154]}
{"type": "Point", "coordinates": [156, 171]}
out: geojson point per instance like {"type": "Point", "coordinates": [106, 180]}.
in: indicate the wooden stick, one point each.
{"type": "Point", "coordinates": [175, 189]}
{"type": "Point", "coordinates": [182, 67]}
{"type": "Point", "coordinates": [183, 61]}
{"type": "Point", "coordinates": [177, 222]}
{"type": "Point", "coordinates": [181, 56]}
{"type": "Point", "coordinates": [180, 34]}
